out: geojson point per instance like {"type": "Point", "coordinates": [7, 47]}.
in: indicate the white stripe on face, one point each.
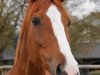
{"type": "Point", "coordinates": [55, 17]}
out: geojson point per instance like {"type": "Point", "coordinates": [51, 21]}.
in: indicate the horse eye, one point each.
{"type": "Point", "coordinates": [35, 21]}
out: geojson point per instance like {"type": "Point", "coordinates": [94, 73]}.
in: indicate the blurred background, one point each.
{"type": "Point", "coordinates": [84, 32]}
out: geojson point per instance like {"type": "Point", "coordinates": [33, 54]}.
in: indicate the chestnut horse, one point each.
{"type": "Point", "coordinates": [43, 45]}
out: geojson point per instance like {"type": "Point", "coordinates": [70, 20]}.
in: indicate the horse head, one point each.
{"type": "Point", "coordinates": [47, 39]}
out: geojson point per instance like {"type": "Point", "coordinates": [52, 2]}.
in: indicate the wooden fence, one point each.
{"type": "Point", "coordinates": [4, 69]}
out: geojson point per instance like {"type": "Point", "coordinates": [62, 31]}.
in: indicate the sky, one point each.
{"type": "Point", "coordinates": [82, 8]}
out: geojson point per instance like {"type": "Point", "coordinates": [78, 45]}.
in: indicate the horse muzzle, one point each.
{"type": "Point", "coordinates": [58, 70]}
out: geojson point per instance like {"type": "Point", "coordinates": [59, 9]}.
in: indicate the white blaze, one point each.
{"type": "Point", "coordinates": [55, 16]}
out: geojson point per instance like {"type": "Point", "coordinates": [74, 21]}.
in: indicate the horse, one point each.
{"type": "Point", "coordinates": [43, 46]}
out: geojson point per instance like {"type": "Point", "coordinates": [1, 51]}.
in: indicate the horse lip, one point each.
{"type": "Point", "coordinates": [78, 73]}
{"type": "Point", "coordinates": [64, 73]}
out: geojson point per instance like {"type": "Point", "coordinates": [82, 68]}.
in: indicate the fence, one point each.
{"type": "Point", "coordinates": [4, 69]}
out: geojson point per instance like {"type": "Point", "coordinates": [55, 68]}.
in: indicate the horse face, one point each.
{"type": "Point", "coordinates": [50, 28]}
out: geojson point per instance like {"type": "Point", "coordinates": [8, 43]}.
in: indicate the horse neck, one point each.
{"type": "Point", "coordinates": [35, 69]}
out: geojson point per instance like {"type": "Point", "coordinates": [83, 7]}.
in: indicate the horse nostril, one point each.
{"type": "Point", "coordinates": [58, 70]}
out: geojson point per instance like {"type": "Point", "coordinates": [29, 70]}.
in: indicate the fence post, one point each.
{"type": "Point", "coordinates": [4, 69]}
{"type": "Point", "coordinates": [4, 72]}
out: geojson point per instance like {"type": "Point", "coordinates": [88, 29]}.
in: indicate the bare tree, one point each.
{"type": "Point", "coordinates": [11, 14]}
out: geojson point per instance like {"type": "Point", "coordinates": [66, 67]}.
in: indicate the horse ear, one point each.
{"type": "Point", "coordinates": [30, 1]}
{"type": "Point", "coordinates": [59, 0]}
{"type": "Point", "coordinates": [62, 0]}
